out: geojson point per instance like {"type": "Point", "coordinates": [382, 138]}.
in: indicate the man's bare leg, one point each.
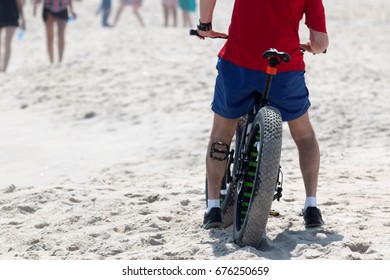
{"type": "Point", "coordinates": [223, 131]}
{"type": "Point", "coordinates": [309, 154]}
{"type": "Point", "coordinates": [309, 159]}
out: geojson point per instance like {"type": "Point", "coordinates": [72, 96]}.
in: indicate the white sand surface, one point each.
{"type": "Point", "coordinates": [102, 157]}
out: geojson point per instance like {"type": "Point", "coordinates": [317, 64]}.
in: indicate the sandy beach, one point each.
{"type": "Point", "coordinates": [102, 157]}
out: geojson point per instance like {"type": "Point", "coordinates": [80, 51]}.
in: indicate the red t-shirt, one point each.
{"type": "Point", "coordinates": [258, 25]}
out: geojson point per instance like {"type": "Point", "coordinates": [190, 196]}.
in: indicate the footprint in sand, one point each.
{"type": "Point", "coordinates": [74, 200]}
{"type": "Point", "coordinates": [27, 209]}
{"type": "Point", "coordinates": [145, 212]}
{"type": "Point", "coordinates": [130, 195]}
{"type": "Point", "coordinates": [165, 218]}
{"type": "Point", "coordinates": [113, 250]}
{"type": "Point", "coordinates": [10, 189]}
{"type": "Point", "coordinates": [152, 198]}
{"type": "Point", "coordinates": [41, 225]}
{"type": "Point", "coordinates": [156, 240]}
{"type": "Point", "coordinates": [14, 223]}
{"type": "Point", "coordinates": [185, 202]}
{"type": "Point", "coordinates": [122, 228]}
{"type": "Point", "coordinates": [73, 248]}
{"type": "Point", "coordinates": [359, 247]}
{"type": "Point", "coordinates": [32, 241]}
{"type": "Point", "coordinates": [330, 203]}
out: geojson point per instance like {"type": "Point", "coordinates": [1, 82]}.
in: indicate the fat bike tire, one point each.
{"type": "Point", "coordinates": [229, 189]}
{"type": "Point", "coordinates": [256, 189]}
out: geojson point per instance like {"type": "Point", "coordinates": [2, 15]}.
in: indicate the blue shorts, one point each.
{"type": "Point", "coordinates": [234, 87]}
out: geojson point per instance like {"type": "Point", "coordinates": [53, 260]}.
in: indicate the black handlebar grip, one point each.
{"type": "Point", "coordinates": [194, 32]}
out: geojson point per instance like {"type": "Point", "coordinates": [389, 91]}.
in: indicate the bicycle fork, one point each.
{"type": "Point", "coordinates": [243, 159]}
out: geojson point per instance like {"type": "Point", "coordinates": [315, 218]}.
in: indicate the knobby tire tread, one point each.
{"type": "Point", "coordinates": [251, 230]}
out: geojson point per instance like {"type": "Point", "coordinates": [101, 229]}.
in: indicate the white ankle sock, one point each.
{"type": "Point", "coordinates": [311, 201]}
{"type": "Point", "coordinates": [212, 203]}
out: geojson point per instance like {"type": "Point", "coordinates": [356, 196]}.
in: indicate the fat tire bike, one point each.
{"type": "Point", "coordinates": [253, 177]}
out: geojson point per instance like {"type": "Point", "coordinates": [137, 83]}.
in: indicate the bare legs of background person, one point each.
{"type": "Point", "coordinates": [187, 21]}
{"type": "Point", "coordinates": [170, 11]}
{"type": "Point", "coordinates": [135, 11]}
{"type": "Point", "coordinates": [118, 14]}
{"type": "Point", "coordinates": [61, 26]}
{"type": "Point", "coordinates": [105, 16]}
{"type": "Point", "coordinates": [49, 24]}
{"type": "Point", "coordinates": [4, 60]}
{"type": "Point", "coordinates": [137, 14]}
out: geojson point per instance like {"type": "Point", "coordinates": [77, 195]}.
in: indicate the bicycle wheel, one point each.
{"type": "Point", "coordinates": [256, 189]}
{"type": "Point", "coordinates": [229, 185]}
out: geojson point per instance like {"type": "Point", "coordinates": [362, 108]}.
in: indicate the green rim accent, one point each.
{"type": "Point", "coordinates": [247, 195]}
{"type": "Point", "coordinates": [249, 181]}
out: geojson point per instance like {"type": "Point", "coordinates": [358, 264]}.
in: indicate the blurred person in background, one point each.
{"type": "Point", "coordinates": [136, 6]}
{"type": "Point", "coordinates": [187, 7]}
{"type": "Point", "coordinates": [170, 10]}
{"type": "Point", "coordinates": [55, 12]}
{"type": "Point", "coordinates": [11, 17]}
{"type": "Point", "coordinates": [105, 9]}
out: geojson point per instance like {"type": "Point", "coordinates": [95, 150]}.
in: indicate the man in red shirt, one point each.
{"type": "Point", "coordinates": [256, 26]}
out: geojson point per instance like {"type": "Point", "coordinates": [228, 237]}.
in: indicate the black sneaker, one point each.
{"type": "Point", "coordinates": [213, 219]}
{"type": "Point", "coordinates": [312, 217]}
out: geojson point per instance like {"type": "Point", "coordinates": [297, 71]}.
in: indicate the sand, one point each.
{"type": "Point", "coordinates": [102, 157]}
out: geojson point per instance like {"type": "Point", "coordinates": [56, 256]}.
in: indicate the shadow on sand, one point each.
{"type": "Point", "coordinates": [286, 245]}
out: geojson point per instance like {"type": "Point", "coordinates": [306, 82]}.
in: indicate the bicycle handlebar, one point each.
{"type": "Point", "coordinates": [194, 32]}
